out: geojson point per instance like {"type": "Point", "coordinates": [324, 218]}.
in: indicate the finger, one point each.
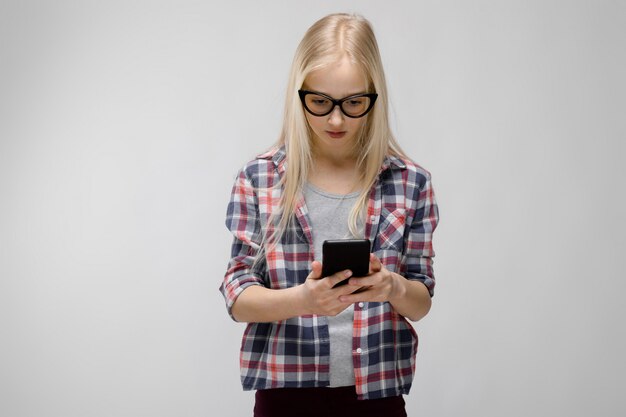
{"type": "Point", "coordinates": [363, 281]}
{"type": "Point", "coordinates": [375, 264]}
{"type": "Point", "coordinates": [351, 286]}
{"type": "Point", "coordinates": [316, 270]}
{"type": "Point", "coordinates": [337, 277]}
{"type": "Point", "coordinates": [362, 294]}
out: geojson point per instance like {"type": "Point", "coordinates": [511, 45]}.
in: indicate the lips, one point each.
{"type": "Point", "coordinates": [335, 135]}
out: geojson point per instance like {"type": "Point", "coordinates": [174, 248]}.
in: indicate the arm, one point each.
{"type": "Point", "coordinates": [247, 297]}
{"type": "Point", "coordinates": [411, 299]}
{"type": "Point", "coordinates": [260, 304]}
{"type": "Point", "coordinates": [315, 296]}
{"type": "Point", "coordinates": [242, 219]}
{"type": "Point", "coordinates": [409, 294]}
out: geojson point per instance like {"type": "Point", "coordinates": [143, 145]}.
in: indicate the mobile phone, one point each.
{"type": "Point", "coordinates": [341, 254]}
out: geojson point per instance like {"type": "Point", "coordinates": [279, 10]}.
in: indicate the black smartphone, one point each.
{"type": "Point", "coordinates": [342, 254]}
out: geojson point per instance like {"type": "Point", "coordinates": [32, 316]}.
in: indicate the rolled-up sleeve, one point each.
{"type": "Point", "coordinates": [419, 248]}
{"type": "Point", "coordinates": [242, 219]}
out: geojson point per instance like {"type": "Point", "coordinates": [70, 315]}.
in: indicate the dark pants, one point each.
{"type": "Point", "coordinates": [323, 402]}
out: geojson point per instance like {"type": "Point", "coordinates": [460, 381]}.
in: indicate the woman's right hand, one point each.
{"type": "Point", "coordinates": [318, 295]}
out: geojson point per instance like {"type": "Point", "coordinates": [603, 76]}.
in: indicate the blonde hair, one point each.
{"type": "Point", "coordinates": [327, 41]}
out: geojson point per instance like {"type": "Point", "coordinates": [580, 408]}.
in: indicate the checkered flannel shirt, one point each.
{"type": "Point", "coordinates": [401, 217]}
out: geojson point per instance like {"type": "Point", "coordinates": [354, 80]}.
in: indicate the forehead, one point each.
{"type": "Point", "coordinates": [338, 79]}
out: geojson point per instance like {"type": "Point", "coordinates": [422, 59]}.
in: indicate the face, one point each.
{"type": "Point", "coordinates": [335, 133]}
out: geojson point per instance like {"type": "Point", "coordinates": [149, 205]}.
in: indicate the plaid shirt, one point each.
{"type": "Point", "coordinates": [401, 217]}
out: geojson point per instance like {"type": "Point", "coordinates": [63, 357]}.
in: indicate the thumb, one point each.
{"type": "Point", "coordinates": [316, 270]}
{"type": "Point", "coordinates": [375, 264]}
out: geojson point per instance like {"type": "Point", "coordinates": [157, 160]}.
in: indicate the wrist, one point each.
{"type": "Point", "coordinates": [399, 288]}
{"type": "Point", "coordinates": [298, 300]}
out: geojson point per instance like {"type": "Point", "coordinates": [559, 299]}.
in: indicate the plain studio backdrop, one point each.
{"type": "Point", "coordinates": [122, 125]}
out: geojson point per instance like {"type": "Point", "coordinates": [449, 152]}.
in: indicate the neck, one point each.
{"type": "Point", "coordinates": [338, 175]}
{"type": "Point", "coordinates": [335, 158]}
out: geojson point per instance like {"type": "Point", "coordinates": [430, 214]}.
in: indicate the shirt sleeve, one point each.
{"type": "Point", "coordinates": [419, 248]}
{"type": "Point", "coordinates": [242, 219]}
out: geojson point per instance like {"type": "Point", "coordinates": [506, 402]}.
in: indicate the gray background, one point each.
{"type": "Point", "coordinates": [122, 125]}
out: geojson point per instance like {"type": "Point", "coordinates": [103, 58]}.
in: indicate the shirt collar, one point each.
{"type": "Point", "coordinates": [391, 162]}
{"type": "Point", "coordinates": [278, 155]}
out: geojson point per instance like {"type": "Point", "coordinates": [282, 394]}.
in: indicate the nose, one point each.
{"type": "Point", "coordinates": [336, 117]}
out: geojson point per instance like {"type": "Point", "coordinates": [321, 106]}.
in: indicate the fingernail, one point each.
{"type": "Point", "coordinates": [347, 273]}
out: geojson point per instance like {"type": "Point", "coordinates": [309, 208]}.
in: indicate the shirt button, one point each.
{"type": "Point", "coordinates": [361, 305]}
{"type": "Point", "coordinates": [359, 350]}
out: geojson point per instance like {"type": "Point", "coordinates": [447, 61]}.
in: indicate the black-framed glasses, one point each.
{"type": "Point", "coordinates": [319, 104]}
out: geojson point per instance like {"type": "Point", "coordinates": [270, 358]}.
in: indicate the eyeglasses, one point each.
{"type": "Point", "coordinates": [319, 104]}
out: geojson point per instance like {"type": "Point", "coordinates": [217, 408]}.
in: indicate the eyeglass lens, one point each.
{"type": "Point", "coordinates": [355, 106]}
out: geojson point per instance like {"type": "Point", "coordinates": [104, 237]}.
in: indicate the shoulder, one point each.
{"type": "Point", "coordinates": [407, 178]}
{"type": "Point", "coordinates": [409, 171]}
{"type": "Point", "coordinates": [263, 167]}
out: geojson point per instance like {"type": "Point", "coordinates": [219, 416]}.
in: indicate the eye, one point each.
{"type": "Point", "coordinates": [319, 101]}
{"type": "Point", "coordinates": [318, 104]}
{"type": "Point", "coordinates": [356, 102]}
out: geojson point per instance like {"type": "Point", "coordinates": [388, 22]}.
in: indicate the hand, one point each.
{"type": "Point", "coordinates": [318, 296]}
{"type": "Point", "coordinates": [379, 285]}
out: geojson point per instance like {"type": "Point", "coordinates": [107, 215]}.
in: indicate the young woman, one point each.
{"type": "Point", "coordinates": [336, 172]}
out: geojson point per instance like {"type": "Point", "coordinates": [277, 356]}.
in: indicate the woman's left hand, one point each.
{"type": "Point", "coordinates": [379, 285]}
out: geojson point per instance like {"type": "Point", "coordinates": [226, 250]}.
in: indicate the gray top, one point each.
{"type": "Point", "coordinates": [328, 214]}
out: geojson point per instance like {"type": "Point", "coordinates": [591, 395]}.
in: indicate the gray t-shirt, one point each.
{"type": "Point", "coordinates": [328, 214]}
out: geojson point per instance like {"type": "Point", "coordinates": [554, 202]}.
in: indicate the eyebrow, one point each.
{"type": "Point", "coordinates": [330, 95]}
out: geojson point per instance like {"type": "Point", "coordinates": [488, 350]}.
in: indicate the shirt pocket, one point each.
{"type": "Point", "coordinates": [391, 230]}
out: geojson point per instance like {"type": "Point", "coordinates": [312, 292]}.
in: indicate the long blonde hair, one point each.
{"type": "Point", "coordinates": [326, 42]}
